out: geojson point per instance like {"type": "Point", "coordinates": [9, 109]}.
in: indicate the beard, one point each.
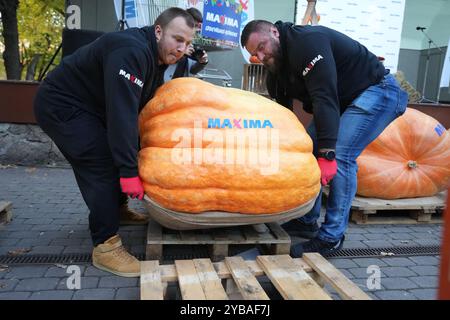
{"type": "Point", "coordinates": [273, 62]}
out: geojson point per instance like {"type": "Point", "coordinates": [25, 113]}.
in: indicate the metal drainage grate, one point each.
{"type": "Point", "coordinates": [382, 252]}
{"type": "Point", "coordinates": [344, 253]}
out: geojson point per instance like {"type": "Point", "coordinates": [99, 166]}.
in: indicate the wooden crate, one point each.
{"type": "Point", "coordinates": [397, 211]}
{"type": "Point", "coordinates": [5, 212]}
{"type": "Point", "coordinates": [218, 240]}
{"type": "Point", "coordinates": [235, 278]}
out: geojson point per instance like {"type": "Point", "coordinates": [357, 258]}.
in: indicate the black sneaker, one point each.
{"type": "Point", "coordinates": [316, 245]}
{"type": "Point", "coordinates": [297, 228]}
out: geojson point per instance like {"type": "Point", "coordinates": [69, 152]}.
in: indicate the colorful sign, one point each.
{"type": "Point", "coordinates": [222, 20]}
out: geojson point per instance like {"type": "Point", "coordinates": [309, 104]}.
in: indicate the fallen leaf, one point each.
{"type": "Point", "coordinates": [30, 170]}
{"type": "Point", "coordinates": [18, 252]}
{"type": "Point", "coordinates": [6, 166]}
{"type": "Point", "coordinates": [2, 285]}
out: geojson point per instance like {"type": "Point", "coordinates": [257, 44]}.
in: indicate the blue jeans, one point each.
{"type": "Point", "coordinates": [363, 120]}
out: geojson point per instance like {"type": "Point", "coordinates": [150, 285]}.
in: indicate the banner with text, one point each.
{"type": "Point", "coordinates": [375, 24]}
{"type": "Point", "coordinates": [222, 20]}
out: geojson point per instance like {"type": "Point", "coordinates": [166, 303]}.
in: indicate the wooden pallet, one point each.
{"type": "Point", "coordinates": [5, 212]}
{"type": "Point", "coordinates": [397, 211]}
{"type": "Point", "coordinates": [235, 278]}
{"type": "Point", "coordinates": [218, 240]}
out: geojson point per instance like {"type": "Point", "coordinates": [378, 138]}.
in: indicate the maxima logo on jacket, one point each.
{"type": "Point", "coordinates": [238, 123]}
{"type": "Point", "coordinates": [130, 77]}
{"type": "Point", "coordinates": [311, 64]}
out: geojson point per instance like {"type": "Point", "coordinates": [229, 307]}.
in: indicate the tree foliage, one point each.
{"type": "Point", "coordinates": [40, 24]}
{"type": "Point", "coordinates": [8, 11]}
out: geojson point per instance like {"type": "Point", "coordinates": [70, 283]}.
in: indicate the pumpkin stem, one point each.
{"type": "Point", "coordinates": [412, 164]}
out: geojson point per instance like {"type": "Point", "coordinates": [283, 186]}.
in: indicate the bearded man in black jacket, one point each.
{"type": "Point", "coordinates": [352, 98]}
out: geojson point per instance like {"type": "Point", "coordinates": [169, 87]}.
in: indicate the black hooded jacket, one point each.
{"type": "Point", "coordinates": [324, 69]}
{"type": "Point", "coordinates": [113, 78]}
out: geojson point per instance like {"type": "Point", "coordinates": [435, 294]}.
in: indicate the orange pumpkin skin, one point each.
{"type": "Point", "coordinates": [215, 184]}
{"type": "Point", "coordinates": [411, 158]}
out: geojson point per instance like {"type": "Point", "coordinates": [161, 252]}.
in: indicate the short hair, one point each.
{"type": "Point", "coordinates": [196, 14]}
{"type": "Point", "coordinates": [254, 26]}
{"type": "Point", "coordinates": [169, 14]}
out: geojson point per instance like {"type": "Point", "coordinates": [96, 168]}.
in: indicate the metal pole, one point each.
{"type": "Point", "coordinates": [425, 79]}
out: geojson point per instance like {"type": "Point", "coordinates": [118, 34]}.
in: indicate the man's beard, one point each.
{"type": "Point", "coordinates": [276, 56]}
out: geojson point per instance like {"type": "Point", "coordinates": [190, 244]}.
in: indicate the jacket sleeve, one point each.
{"type": "Point", "coordinates": [195, 66]}
{"type": "Point", "coordinates": [318, 69]}
{"type": "Point", "coordinates": [124, 73]}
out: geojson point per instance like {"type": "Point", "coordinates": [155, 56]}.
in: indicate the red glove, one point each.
{"type": "Point", "coordinates": [132, 187]}
{"type": "Point", "coordinates": [328, 169]}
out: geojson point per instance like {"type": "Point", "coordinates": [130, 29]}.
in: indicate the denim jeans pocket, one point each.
{"type": "Point", "coordinates": [371, 100]}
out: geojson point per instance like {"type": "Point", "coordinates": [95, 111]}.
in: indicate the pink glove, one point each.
{"type": "Point", "coordinates": [132, 187]}
{"type": "Point", "coordinates": [328, 169]}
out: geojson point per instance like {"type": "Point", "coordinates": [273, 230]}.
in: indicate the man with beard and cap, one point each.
{"type": "Point", "coordinates": [352, 98]}
{"type": "Point", "coordinates": [89, 106]}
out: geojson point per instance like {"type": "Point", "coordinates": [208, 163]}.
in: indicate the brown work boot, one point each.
{"type": "Point", "coordinates": [129, 216]}
{"type": "Point", "coordinates": [111, 256]}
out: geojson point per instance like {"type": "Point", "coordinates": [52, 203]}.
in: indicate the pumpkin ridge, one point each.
{"type": "Point", "coordinates": [195, 173]}
{"type": "Point", "coordinates": [433, 151]}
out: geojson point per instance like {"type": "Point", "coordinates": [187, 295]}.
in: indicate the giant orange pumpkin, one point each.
{"type": "Point", "coordinates": [411, 158]}
{"type": "Point", "coordinates": [210, 148]}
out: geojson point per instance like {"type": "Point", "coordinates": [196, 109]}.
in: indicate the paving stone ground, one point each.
{"type": "Point", "coordinates": [50, 217]}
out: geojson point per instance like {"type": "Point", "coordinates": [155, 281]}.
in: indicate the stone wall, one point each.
{"type": "Point", "coordinates": [23, 144]}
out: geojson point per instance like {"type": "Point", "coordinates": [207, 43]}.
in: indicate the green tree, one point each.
{"type": "Point", "coordinates": [8, 12]}
{"type": "Point", "coordinates": [32, 33]}
{"type": "Point", "coordinates": [40, 29]}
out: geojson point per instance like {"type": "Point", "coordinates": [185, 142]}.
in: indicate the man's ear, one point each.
{"type": "Point", "coordinates": [158, 32]}
{"type": "Point", "coordinates": [274, 31]}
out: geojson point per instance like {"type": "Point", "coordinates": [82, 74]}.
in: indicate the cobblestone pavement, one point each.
{"type": "Point", "coordinates": [50, 217]}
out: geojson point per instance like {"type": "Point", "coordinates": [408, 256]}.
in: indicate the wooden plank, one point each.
{"type": "Point", "coordinates": [422, 215]}
{"type": "Point", "coordinates": [435, 202]}
{"type": "Point", "coordinates": [218, 251]}
{"type": "Point", "coordinates": [292, 282]}
{"type": "Point", "coordinates": [154, 238]}
{"type": "Point", "coordinates": [251, 235]}
{"type": "Point", "coordinates": [151, 286]}
{"type": "Point", "coordinates": [190, 286]}
{"type": "Point", "coordinates": [279, 232]}
{"type": "Point", "coordinates": [154, 232]}
{"type": "Point", "coordinates": [188, 236]}
{"type": "Point", "coordinates": [280, 248]}
{"type": "Point", "coordinates": [245, 280]}
{"type": "Point", "coordinates": [373, 219]}
{"type": "Point", "coordinates": [212, 285]}
{"type": "Point", "coordinates": [169, 272]}
{"type": "Point", "coordinates": [345, 288]}
{"type": "Point", "coordinates": [260, 228]}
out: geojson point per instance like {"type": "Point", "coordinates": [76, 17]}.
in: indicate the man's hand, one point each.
{"type": "Point", "coordinates": [190, 50]}
{"type": "Point", "coordinates": [132, 187]}
{"type": "Point", "coordinates": [328, 169]}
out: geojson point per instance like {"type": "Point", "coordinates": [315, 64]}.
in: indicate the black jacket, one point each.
{"type": "Point", "coordinates": [113, 78]}
{"type": "Point", "coordinates": [324, 69]}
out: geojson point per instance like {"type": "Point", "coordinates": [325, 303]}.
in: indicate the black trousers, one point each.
{"type": "Point", "coordinates": [82, 139]}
